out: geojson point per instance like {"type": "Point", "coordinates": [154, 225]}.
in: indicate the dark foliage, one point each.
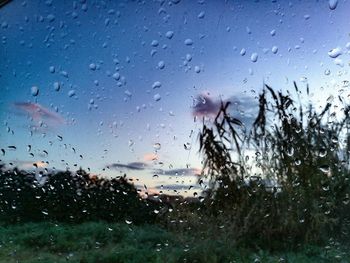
{"type": "Point", "coordinates": [297, 187]}
{"type": "Point", "coordinates": [68, 197]}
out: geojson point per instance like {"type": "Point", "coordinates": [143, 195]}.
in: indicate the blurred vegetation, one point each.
{"type": "Point", "coordinates": [294, 191]}
{"type": "Point", "coordinates": [104, 242]}
{"type": "Point", "coordinates": [70, 197]}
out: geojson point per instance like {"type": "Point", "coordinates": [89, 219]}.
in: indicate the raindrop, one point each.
{"type": "Point", "coordinates": [254, 57]}
{"type": "Point", "coordinates": [273, 32]}
{"type": "Point", "coordinates": [64, 74]}
{"type": "Point", "coordinates": [128, 221]}
{"type": "Point", "coordinates": [188, 42]}
{"type": "Point", "coordinates": [50, 17]}
{"type": "Point", "coordinates": [327, 72]}
{"type": "Point", "coordinates": [3, 151]}
{"type": "Point", "coordinates": [12, 147]}
{"type": "Point", "coordinates": [52, 69]}
{"type": "Point", "coordinates": [201, 15]}
{"type": "Point", "coordinates": [116, 76]}
{"type": "Point", "coordinates": [71, 93]}
{"type": "Point", "coordinates": [128, 93]}
{"type": "Point", "coordinates": [274, 50]}
{"type": "Point", "coordinates": [197, 69]}
{"type": "Point", "coordinates": [335, 52]}
{"type": "Point", "coordinates": [157, 97]}
{"type": "Point", "coordinates": [92, 66]}
{"type": "Point", "coordinates": [322, 152]}
{"type": "Point", "coordinates": [56, 86]}
{"type": "Point", "coordinates": [35, 91]}
{"type": "Point", "coordinates": [325, 169]}
{"type": "Point", "coordinates": [157, 146]}
{"type": "Point", "coordinates": [332, 4]}
{"type": "Point", "coordinates": [188, 57]}
{"type": "Point", "coordinates": [243, 52]}
{"type": "Point", "coordinates": [169, 34]}
{"type": "Point", "coordinates": [161, 64]}
{"type": "Point", "coordinates": [154, 43]}
{"type": "Point", "coordinates": [156, 85]}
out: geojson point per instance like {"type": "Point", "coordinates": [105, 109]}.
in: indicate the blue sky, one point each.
{"type": "Point", "coordinates": [108, 58]}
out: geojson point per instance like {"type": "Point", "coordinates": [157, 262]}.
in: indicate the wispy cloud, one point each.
{"type": "Point", "coordinates": [150, 157]}
{"type": "Point", "coordinates": [243, 107]}
{"type": "Point", "coordinates": [180, 171]}
{"type": "Point", "coordinates": [204, 105]}
{"type": "Point", "coordinates": [128, 166]}
{"type": "Point", "coordinates": [38, 112]}
{"type": "Point", "coordinates": [177, 187]}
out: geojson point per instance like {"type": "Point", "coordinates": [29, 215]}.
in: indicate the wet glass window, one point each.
{"type": "Point", "coordinates": [174, 131]}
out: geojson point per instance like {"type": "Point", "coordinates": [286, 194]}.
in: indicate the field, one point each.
{"type": "Point", "coordinates": [118, 242]}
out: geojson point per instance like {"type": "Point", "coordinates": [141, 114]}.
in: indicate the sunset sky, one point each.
{"type": "Point", "coordinates": [114, 85]}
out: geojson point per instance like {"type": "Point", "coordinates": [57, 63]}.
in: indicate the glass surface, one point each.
{"type": "Point", "coordinates": [174, 131]}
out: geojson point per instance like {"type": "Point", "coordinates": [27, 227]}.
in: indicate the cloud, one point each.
{"type": "Point", "coordinates": [205, 106]}
{"type": "Point", "coordinates": [177, 187]}
{"type": "Point", "coordinates": [38, 112]}
{"type": "Point", "coordinates": [179, 172]}
{"type": "Point", "coordinates": [128, 166]}
{"type": "Point", "coordinates": [29, 165]}
{"type": "Point", "coordinates": [150, 157]}
{"type": "Point", "coordinates": [244, 108]}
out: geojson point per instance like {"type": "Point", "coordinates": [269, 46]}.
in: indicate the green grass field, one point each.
{"type": "Point", "coordinates": [118, 242]}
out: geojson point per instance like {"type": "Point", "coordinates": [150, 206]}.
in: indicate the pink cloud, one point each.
{"type": "Point", "coordinates": [150, 157]}
{"type": "Point", "coordinates": [39, 113]}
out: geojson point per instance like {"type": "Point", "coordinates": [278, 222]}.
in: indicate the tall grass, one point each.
{"type": "Point", "coordinates": [298, 188]}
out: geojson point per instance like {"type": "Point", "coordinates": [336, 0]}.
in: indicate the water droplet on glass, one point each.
{"type": "Point", "coordinates": [188, 42]}
{"type": "Point", "coordinates": [157, 146]}
{"type": "Point", "coordinates": [201, 15]}
{"type": "Point", "coordinates": [243, 52]}
{"type": "Point", "coordinates": [92, 66]}
{"type": "Point", "coordinates": [274, 50]}
{"type": "Point", "coordinates": [161, 64]}
{"type": "Point", "coordinates": [197, 69]}
{"type": "Point", "coordinates": [156, 85]}
{"type": "Point", "coordinates": [254, 57]}
{"type": "Point", "coordinates": [169, 34]}
{"type": "Point", "coordinates": [157, 97]}
{"type": "Point", "coordinates": [71, 93]}
{"type": "Point", "coordinates": [50, 17]}
{"type": "Point", "coordinates": [56, 86]}
{"type": "Point", "coordinates": [332, 4]}
{"type": "Point", "coordinates": [128, 221]}
{"type": "Point", "coordinates": [322, 152]}
{"type": "Point", "coordinates": [335, 52]}
{"type": "Point", "coordinates": [325, 169]}
{"type": "Point", "coordinates": [35, 91]}
{"type": "Point", "coordinates": [273, 32]}
{"type": "Point", "coordinates": [52, 69]}
{"type": "Point", "coordinates": [154, 43]}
